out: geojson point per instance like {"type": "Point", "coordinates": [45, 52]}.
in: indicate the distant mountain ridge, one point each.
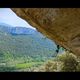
{"type": "Point", "coordinates": [17, 30]}
{"type": "Point", "coordinates": [21, 30]}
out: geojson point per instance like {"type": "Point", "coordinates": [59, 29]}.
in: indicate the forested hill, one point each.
{"type": "Point", "coordinates": [21, 41]}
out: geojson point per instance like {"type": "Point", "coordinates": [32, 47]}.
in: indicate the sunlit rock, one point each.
{"type": "Point", "coordinates": [59, 24]}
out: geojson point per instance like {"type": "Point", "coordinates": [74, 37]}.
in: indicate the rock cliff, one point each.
{"type": "Point", "coordinates": [59, 24]}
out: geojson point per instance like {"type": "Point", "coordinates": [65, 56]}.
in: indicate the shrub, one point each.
{"type": "Point", "coordinates": [66, 62]}
{"type": "Point", "coordinates": [50, 66]}
{"type": "Point", "coordinates": [69, 62]}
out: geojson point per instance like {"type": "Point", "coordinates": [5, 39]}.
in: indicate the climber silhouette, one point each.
{"type": "Point", "coordinates": [57, 51]}
{"type": "Point", "coordinates": [58, 47]}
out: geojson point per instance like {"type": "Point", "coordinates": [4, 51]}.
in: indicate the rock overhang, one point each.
{"type": "Point", "coordinates": [59, 24]}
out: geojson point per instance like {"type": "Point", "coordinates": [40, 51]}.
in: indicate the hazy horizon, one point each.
{"type": "Point", "coordinates": [9, 17]}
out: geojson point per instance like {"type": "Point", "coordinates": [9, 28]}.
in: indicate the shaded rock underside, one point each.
{"type": "Point", "coordinates": [59, 24]}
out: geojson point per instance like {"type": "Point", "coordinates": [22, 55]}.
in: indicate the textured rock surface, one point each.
{"type": "Point", "coordinates": [59, 24]}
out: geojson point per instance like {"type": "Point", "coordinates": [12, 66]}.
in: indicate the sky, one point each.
{"type": "Point", "coordinates": [9, 17]}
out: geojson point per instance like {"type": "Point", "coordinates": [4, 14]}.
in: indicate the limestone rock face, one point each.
{"type": "Point", "coordinates": [59, 24]}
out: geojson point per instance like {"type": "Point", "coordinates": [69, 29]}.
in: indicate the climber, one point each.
{"type": "Point", "coordinates": [57, 51]}
{"type": "Point", "coordinates": [58, 47]}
